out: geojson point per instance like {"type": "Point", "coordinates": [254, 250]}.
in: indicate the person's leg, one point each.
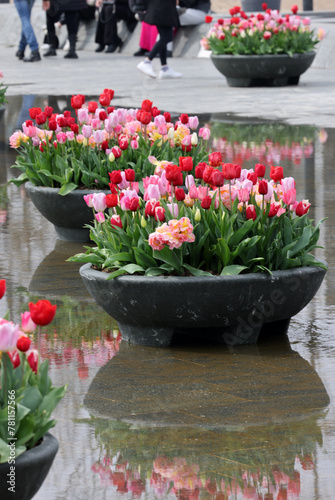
{"type": "Point", "coordinates": [192, 17]}
{"type": "Point", "coordinates": [52, 18]}
{"type": "Point", "coordinates": [71, 20]}
{"type": "Point", "coordinates": [100, 31]}
{"type": "Point", "coordinates": [112, 40]}
{"type": "Point", "coordinates": [24, 8]}
{"type": "Point", "coordinates": [159, 48]}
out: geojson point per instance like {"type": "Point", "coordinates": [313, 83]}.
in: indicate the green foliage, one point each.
{"type": "Point", "coordinates": [34, 399]}
{"type": "Point", "coordinates": [225, 243]}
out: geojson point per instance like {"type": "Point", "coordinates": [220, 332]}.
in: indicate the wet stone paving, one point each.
{"type": "Point", "coordinates": [192, 420]}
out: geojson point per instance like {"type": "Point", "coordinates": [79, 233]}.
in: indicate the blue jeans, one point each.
{"type": "Point", "coordinates": [24, 8]}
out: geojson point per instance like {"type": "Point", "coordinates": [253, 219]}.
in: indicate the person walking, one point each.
{"type": "Point", "coordinates": [110, 13]}
{"type": "Point", "coordinates": [24, 8]}
{"type": "Point", "coordinates": [164, 16]}
{"type": "Point", "coordinates": [71, 10]}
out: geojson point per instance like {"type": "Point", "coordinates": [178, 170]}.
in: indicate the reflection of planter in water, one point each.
{"type": "Point", "coordinates": [240, 412]}
{"type": "Point", "coordinates": [256, 5]}
{"type": "Point", "coordinates": [216, 388]}
{"type": "Point", "coordinates": [54, 277]}
{"type": "Point", "coordinates": [228, 309]}
{"type": "Point", "coordinates": [31, 469]}
{"type": "Point", "coordinates": [189, 460]}
{"type": "Point", "coordinates": [68, 214]}
{"type": "Point", "coordinates": [265, 70]}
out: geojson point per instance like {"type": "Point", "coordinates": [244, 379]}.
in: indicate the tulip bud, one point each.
{"type": "Point", "coordinates": [143, 222]}
{"type": "Point", "coordinates": [197, 216]}
{"type": "Point", "coordinates": [111, 157]}
{"type": "Point", "coordinates": [170, 133]}
{"type": "Point", "coordinates": [194, 139]}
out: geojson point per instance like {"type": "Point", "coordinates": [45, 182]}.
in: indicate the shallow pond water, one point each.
{"type": "Point", "coordinates": [190, 421]}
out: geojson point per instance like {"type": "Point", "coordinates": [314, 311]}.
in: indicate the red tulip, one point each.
{"type": "Point", "coordinates": [263, 187]}
{"type": "Point", "coordinates": [180, 194]}
{"type": "Point", "coordinates": [186, 163]}
{"type": "Point", "coordinates": [2, 288]}
{"type": "Point", "coordinates": [23, 344]}
{"type": "Point", "coordinates": [43, 312]}
{"type": "Point", "coordinates": [206, 202]}
{"type": "Point", "coordinates": [276, 173]}
{"type": "Point", "coordinates": [302, 208]}
{"type": "Point", "coordinates": [32, 359]}
{"type": "Point", "coordinates": [251, 212]}
{"type": "Point", "coordinates": [260, 170]}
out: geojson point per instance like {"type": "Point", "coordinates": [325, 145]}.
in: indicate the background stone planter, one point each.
{"type": "Point", "coordinates": [31, 469]}
{"type": "Point", "coordinates": [228, 309]}
{"type": "Point", "coordinates": [68, 214]}
{"type": "Point", "coordinates": [267, 71]}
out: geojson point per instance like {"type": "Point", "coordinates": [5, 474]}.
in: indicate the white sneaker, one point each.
{"type": "Point", "coordinates": [146, 68]}
{"type": "Point", "coordinates": [168, 72]}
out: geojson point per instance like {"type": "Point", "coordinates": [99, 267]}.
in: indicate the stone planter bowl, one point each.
{"type": "Point", "coordinates": [68, 213]}
{"type": "Point", "coordinates": [262, 71]}
{"type": "Point", "coordinates": [228, 309]}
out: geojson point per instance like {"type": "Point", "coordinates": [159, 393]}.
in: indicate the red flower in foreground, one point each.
{"type": "Point", "coordinates": [32, 359]}
{"type": "Point", "coordinates": [302, 208]}
{"type": "Point", "coordinates": [23, 344]}
{"type": "Point", "coordinates": [43, 312]}
{"type": "Point", "coordinates": [294, 9]}
{"type": "Point", "coordinates": [251, 212]}
{"type": "Point", "coordinates": [276, 173]}
{"type": "Point", "coordinates": [2, 288]}
{"type": "Point", "coordinates": [208, 19]}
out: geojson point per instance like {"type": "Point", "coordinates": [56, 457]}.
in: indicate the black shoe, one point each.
{"type": "Point", "coordinates": [110, 49]}
{"type": "Point", "coordinates": [71, 55]}
{"type": "Point", "coordinates": [50, 52]}
{"type": "Point", "coordinates": [99, 48]}
{"type": "Point", "coordinates": [20, 54]}
{"type": "Point", "coordinates": [34, 56]}
{"type": "Point", "coordinates": [140, 52]}
{"type": "Point", "coordinates": [113, 48]}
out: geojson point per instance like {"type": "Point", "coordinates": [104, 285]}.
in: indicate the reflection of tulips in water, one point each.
{"type": "Point", "coordinates": [94, 352]}
{"type": "Point", "coordinates": [268, 152]}
{"type": "Point", "coordinates": [185, 480]}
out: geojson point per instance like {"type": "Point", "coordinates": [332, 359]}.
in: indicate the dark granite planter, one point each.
{"type": "Point", "coordinates": [68, 214]}
{"type": "Point", "coordinates": [229, 309]}
{"type": "Point", "coordinates": [256, 5]}
{"type": "Point", "coordinates": [31, 469]}
{"type": "Point", "coordinates": [263, 71]}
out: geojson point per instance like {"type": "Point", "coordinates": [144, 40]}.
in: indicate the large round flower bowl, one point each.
{"type": "Point", "coordinates": [25, 476]}
{"type": "Point", "coordinates": [271, 70]}
{"type": "Point", "coordinates": [228, 309]}
{"type": "Point", "coordinates": [69, 214]}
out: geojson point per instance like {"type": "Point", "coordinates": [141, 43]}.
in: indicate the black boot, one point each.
{"type": "Point", "coordinates": [72, 52]}
{"type": "Point", "coordinates": [20, 54]}
{"type": "Point", "coordinates": [34, 56]}
{"type": "Point", "coordinates": [52, 49]}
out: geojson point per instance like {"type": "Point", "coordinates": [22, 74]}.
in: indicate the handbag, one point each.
{"type": "Point", "coordinates": [137, 6]}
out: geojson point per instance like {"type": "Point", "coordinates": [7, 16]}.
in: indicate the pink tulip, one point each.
{"type": "Point", "coordinates": [9, 335]}
{"type": "Point", "coordinates": [89, 199]}
{"type": "Point", "coordinates": [27, 323]}
{"type": "Point", "coordinates": [99, 202]}
{"type": "Point", "coordinates": [100, 217]}
{"type": "Point", "coordinates": [87, 131]}
{"type": "Point", "coordinates": [289, 197]}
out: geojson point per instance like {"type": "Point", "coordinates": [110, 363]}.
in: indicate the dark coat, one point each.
{"type": "Point", "coordinates": [162, 13]}
{"type": "Point", "coordinates": [70, 5]}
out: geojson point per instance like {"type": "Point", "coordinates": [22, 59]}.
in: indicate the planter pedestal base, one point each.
{"type": "Point", "coordinates": [262, 82]}
{"type": "Point", "coordinates": [151, 336]}
{"type": "Point", "coordinates": [72, 234]}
